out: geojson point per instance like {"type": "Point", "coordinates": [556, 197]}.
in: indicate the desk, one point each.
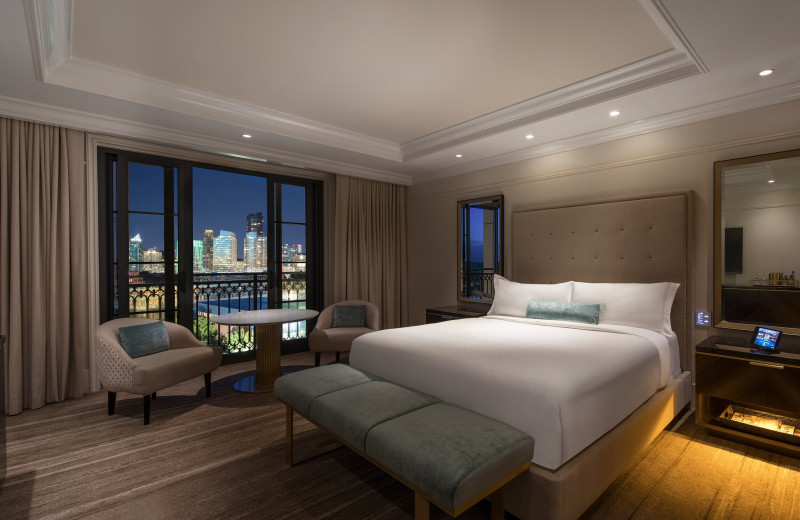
{"type": "Point", "coordinates": [267, 323]}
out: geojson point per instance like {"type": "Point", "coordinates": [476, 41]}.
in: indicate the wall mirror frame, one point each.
{"type": "Point", "coordinates": [480, 247]}
{"type": "Point", "coordinates": [757, 242]}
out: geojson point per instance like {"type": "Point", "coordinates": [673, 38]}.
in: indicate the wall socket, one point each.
{"type": "Point", "coordinates": [703, 319]}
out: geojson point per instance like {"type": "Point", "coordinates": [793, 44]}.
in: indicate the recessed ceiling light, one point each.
{"type": "Point", "coordinates": [614, 113]}
{"type": "Point", "coordinates": [458, 155]}
{"type": "Point", "coordinates": [771, 181]}
{"type": "Point", "coordinates": [529, 136]}
{"type": "Point", "coordinates": [247, 136]}
{"type": "Point", "coordinates": [766, 72]}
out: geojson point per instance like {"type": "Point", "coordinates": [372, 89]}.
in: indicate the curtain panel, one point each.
{"type": "Point", "coordinates": [370, 246]}
{"type": "Point", "coordinates": [47, 286]}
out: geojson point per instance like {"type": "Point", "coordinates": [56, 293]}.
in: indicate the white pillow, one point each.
{"type": "Point", "coordinates": [643, 305]}
{"type": "Point", "coordinates": [511, 298]}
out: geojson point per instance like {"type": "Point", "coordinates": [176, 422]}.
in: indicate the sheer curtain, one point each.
{"type": "Point", "coordinates": [370, 246]}
{"type": "Point", "coordinates": [48, 297]}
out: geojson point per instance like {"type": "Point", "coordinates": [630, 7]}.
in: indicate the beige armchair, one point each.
{"type": "Point", "coordinates": [186, 358]}
{"type": "Point", "coordinates": [326, 338]}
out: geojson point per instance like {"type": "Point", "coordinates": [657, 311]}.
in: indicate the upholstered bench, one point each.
{"type": "Point", "coordinates": [448, 455]}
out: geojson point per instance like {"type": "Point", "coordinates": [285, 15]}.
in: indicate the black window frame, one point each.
{"type": "Point", "coordinates": [184, 168]}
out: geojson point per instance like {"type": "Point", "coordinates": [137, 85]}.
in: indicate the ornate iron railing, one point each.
{"type": "Point", "coordinates": [222, 293]}
{"type": "Point", "coordinates": [478, 283]}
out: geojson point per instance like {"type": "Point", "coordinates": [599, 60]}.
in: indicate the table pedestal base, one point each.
{"type": "Point", "coordinates": [268, 360]}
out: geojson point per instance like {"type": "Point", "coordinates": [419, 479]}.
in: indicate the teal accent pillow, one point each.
{"type": "Point", "coordinates": [564, 311]}
{"type": "Point", "coordinates": [350, 316]}
{"type": "Point", "coordinates": [141, 340]}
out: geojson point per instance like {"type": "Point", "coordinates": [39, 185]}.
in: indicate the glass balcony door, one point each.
{"type": "Point", "coordinates": [142, 239]}
{"type": "Point", "coordinates": [185, 242]}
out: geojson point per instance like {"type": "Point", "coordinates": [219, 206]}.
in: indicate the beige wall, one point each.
{"type": "Point", "coordinates": [668, 161]}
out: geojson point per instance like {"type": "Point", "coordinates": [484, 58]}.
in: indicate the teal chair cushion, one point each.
{"type": "Point", "coordinates": [349, 316]}
{"type": "Point", "coordinates": [142, 340]}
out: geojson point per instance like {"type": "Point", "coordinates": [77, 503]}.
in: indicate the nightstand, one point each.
{"type": "Point", "coordinates": [451, 312]}
{"type": "Point", "coordinates": [748, 397]}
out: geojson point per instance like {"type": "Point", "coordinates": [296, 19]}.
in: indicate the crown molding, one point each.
{"type": "Point", "coordinates": [120, 84]}
{"type": "Point", "coordinates": [41, 113]}
{"type": "Point", "coordinates": [49, 27]}
{"type": "Point", "coordinates": [50, 33]}
{"type": "Point", "coordinates": [650, 72]}
{"type": "Point", "coordinates": [669, 27]}
{"type": "Point", "coordinates": [686, 116]}
{"type": "Point", "coordinates": [50, 22]}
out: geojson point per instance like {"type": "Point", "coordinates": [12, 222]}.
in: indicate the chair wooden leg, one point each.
{"type": "Point", "coordinates": [112, 401]}
{"type": "Point", "coordinates": [153, 395]}
{"type": "Point", "coordinates": [422, 508]}
{"type": "Point", "coordinates": [317, 356]}
{"type": "Point", "coordinates": [337, 356]}
{"type": "Point", "coordinates": [498, 504]}
{"type": "Point", "coordinates": [146, 404]}
{"type": "Point", "coordinates": [207, 378]}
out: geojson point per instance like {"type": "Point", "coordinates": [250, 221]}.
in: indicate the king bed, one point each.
{"type": "Point", "coordinates": [593, 386]}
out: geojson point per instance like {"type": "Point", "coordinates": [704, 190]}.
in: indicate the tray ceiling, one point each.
{"type": "Point", "coordinates": [393, 70]}
{"type": "Point", "coordinates": [398, 91]}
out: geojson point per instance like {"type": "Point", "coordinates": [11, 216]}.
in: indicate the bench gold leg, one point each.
{"type": "Point", "coordinates": [289, 435]}
{"type": "Point", "coordinates": [421, 506]}
{"type": "Point", "coordinates": [498, 504]}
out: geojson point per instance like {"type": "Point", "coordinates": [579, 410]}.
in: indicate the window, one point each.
{"type": "Point", "coordinates": [199, 241]}
{"type": "Point", "coordinates": [480, 255]}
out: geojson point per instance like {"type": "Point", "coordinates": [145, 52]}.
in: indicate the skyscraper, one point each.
{"type": "Point", "coordinates": [289, 250]}
{"type": "Point", "coordinates": [225, 252]}
{"type": "Point", "coordinates": [255, 253]}
{"type": "Point", "coordinates": [197, 256]}
{"type": "Point", "coordinates": [153, 255]}
{"type": "Point", "coordinates": [261, 254]}
{"type": "Point", "coordinates": [255, 245]}
{"type": "Point", "coordinates": [208, 250]}
{"type": "Point", "coordinates": [250, 249]}
{"type": "Point", "coordinates": [255, 223]}
{"type": "Point", "coordinates": [135, 252]}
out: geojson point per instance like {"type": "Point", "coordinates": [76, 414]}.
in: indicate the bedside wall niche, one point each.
{"type": "Point", "coordinates": [757, 242]}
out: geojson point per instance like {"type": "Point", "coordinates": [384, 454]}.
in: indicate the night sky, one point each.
{"type": "Point", "coordinates": [221, 200]}
{"type": "Point", "coordinates": [476, 235]}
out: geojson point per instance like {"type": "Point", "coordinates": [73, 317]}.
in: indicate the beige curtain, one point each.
{"type": "Point", "coordinates": [370, 246]}
{"type": "Point", "coordinates": [46, 291]}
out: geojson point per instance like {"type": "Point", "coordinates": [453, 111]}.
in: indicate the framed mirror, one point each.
{"type": "Point", "coordinates": [480, 251]}
{"type": "Point", "coordinates": [757, 242]}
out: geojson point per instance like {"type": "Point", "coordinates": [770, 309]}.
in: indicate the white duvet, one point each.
{"type": "Point", "coordinates": [565, 384]}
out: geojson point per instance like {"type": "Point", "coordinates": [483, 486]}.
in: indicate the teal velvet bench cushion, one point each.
{"type": "Point", "coordinates": [448, 455]}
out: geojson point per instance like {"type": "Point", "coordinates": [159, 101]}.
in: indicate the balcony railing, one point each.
{"type": "Point", "coordinates": [478, 283]}
{"type": "Point", "coordinates": [222, 293]}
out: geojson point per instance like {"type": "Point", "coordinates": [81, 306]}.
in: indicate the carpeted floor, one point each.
{"type": "Point", "coordinates": [223, 457]}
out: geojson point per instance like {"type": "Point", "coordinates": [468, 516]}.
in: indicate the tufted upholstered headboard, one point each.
{"type": "Point", "coordinates": [642, 240]}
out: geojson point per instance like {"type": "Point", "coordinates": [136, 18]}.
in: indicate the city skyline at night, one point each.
{"type": "Point", "coordinates": [222, 201]}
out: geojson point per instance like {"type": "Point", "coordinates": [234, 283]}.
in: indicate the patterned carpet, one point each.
{"type": "Point", "coordinates": [223, 458]}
